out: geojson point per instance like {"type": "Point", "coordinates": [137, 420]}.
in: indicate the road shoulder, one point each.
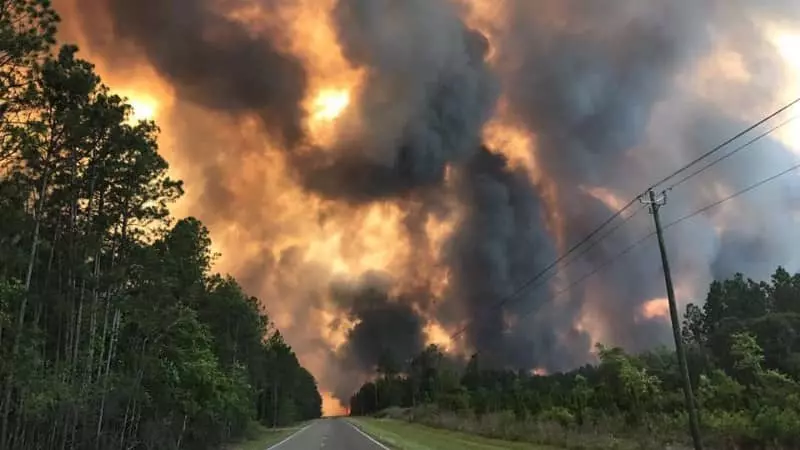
{"type": "Point", "coordinates": [400, 435]}
{"type": "Point", "coordinates": [263, 438]}
{"type": "Point", "coordinates": [374, 440]}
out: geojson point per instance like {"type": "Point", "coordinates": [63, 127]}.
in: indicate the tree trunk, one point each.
{"type": "Point", "coordinates": [20, 419]}
{"type": "Point", "coordinates": [114, 330]}
{"type": "Point", "coordinates": [125, 423]}
{"type": "Point", "coordinates": [275, 404]}
{"type": "Point", "coordinates": [66, 431]}
{"type": "Point", "coordinates": [8, 384]}
{"type": "Point", "coordinates": [37, 222]}
{"type": "Point", "coordinates": [53, 434]}
{"type": "Point", "coordinates": [78, 321]}
{"type": "Point", "coordinates": [180, 436]}
{"type": "Point", "coordinates": [103, 339]}
{"type": "Point", "coordinates": [99, 428]}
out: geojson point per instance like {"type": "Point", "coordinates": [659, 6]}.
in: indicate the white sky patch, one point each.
{"type": "Point", "coordinates": [788, 45]}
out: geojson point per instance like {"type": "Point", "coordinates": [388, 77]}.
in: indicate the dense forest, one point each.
{"type": "Point", "coordinates": [743, 347]}
{"type": "Point", "coordinates": [114, 332]}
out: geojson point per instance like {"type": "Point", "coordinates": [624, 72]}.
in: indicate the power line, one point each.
{"type": "Point", "coordinates": [608, 262]}
{"type": "Point", "coordinates": [607, 234]}
{"type": "Point", "coordinates": [725, 144]}
{"type": "Point", "coordinates": [735, 151]}
{"type": "Point", "coordinates": [524, 286]}
{"type": "Point", "coordinates": [673, 309]}
{"type": "Point", "coordinates": [505, 300]}
{"type": "Point", "coordinates": [598, 268]}
{"type": "Point", "coordinates": [583, 252]}
{"type": "Point", "coordinates": [732, 196]}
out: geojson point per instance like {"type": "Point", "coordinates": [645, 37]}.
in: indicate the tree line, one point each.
{"type": "Point", "coordinates": [114, 331]}
{"type": "Point", "coordinates": [743, 347]}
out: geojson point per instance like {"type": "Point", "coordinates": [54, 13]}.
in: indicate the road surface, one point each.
{"type": "Point", "coordinates": [329, 434]}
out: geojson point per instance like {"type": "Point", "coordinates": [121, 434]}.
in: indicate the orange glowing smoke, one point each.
{"type": "Point", "coordinates": [437, 335]}
{"type": "Point", "coordinates": [613, 201]}
{"type": "Point", "coordinates": [330, 104]}
{"type": "Point", "coordinates": [331, 407]}
{"type": "Point", "coordinates": [332, 80]}
{"type": "Point", "coordinates": [514, 142]}
{"type": "Point", "coordinates": [656, 309]}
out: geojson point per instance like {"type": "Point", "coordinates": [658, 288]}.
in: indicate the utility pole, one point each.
{"type": "Point", "coordinates": [694, 423]}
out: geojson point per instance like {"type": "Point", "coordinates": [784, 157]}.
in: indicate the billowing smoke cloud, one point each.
{"type": "Point", "coordinates": [385, 327]}
{"type": "Point", "coordinates": [500, 243]}
{"type": "Point", "coordinates": [209, 58]}
{"type": "Point", "coordinates": [613, 95]}
{"type": "Point", "coordinates": [426, 98]}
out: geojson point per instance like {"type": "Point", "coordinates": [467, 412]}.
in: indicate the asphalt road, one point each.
{"type": "Point", "coordinates": [329, 434]}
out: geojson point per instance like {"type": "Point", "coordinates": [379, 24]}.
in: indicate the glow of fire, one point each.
{"type": "Point", "coordinates": [437, 335]}
{"type": "Point", "coordinates": [330, 104]}
{"type": "Point", "coordinates": [588, 323]}
{"type": "Point", "coordinates": [336, 336]}
{"type": "Point", "coordinates": [143, 107]}
{"type": "Point", "coordinates": [516, 143]}
{"type": "Point", "coordinates": [331, 407]}
{"type": "Point", "coordinates": [382, 241]}
{"type": "Point", "coordinates": [657, 308]}
{"type": "Point", "coordinates": [613, 201]}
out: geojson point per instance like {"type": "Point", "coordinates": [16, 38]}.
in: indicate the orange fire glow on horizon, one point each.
{"type": "Point", "coordinates": [331, 407]}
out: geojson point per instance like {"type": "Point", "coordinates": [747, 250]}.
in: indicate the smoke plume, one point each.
{"type": "Point", "coordinates": [210, 59]}
{"type": "Point", "coordinates": [385, 326]}
{"type": "Point", "coordinates": [428, 91]}
{"type": "Point", "coordinates": [383, 220]}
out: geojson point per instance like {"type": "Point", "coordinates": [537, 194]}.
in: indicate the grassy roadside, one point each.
{"type": "Point", "coordinates": [260, 437]}
{"type": "Point", "coordinates": [399, 435]}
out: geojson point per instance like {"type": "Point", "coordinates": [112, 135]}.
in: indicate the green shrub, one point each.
{"type": "Point", "coordinates": [779, 426]}
{"type": "Point", "coordinates": [730, 427]}
{"type": "Point", "coordinates": [454, 401]}
{"type": "Point", "coordinates": [561, 416]}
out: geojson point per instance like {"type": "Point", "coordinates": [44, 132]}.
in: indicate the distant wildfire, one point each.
{"type": "Point", "coordinates": [382, 173]}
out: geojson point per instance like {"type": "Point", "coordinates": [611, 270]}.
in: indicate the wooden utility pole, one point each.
{"type": "Point", "coordinates": [694, 423]}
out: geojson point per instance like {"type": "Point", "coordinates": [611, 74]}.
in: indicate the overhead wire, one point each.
{"type": "Point", "coordinates": [726, 143]}
{"type": "Point", "coordinates": [539, 275]}
{"type": "Point", "coordinates": [734, 195]}
{"type": "Point", "coordinates": [733, 152]}
{"type": "Point", "coordinates": [523, 287]}
{"type": "Point", "coordinates": [608, 262]}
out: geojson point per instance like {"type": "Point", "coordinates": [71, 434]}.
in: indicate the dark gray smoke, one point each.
{"type": "Point", "coordinates": [588, 90]}
{"type": "Point", "coordinates": [384, 326]}
{"type": "Point", "coordinates": [500, 243]}
{"type": "Point", "coordinates": [427, 95]}
{"type": "Point", "coordinates": [210, 59]}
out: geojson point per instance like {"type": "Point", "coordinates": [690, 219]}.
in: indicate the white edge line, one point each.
{"type": "Point", "coordinates": [290, 437]}
{"type": "Point", "coordinates": [368, 436]}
